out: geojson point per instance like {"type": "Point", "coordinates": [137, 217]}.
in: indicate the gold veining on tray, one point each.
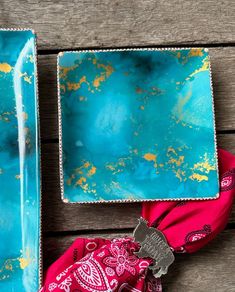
{"type": "Point", "coordinates": [179, 160]}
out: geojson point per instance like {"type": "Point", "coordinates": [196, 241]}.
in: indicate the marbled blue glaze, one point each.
{"type": "Point", "coordinates": [137, 125]}
{"type": "Point", "coordinates": [19, 163]}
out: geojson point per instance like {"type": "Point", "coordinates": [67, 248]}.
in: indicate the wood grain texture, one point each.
{"type": "Point", "coordinates": [223, 66]}
{"type": "Point", "coordinates": [58, 216]}
{"type": "Point", "coordinates": [227, 142]}
{"type": "Point", "coordinates": [210, 269]}
{"type": "Point", "coordinates": [92, 23]}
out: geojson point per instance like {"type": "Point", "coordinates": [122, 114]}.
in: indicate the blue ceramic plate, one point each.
{"type": "Point", "coordinates": [19, 163]}
{"type": "Point", "coordinates": [136, 125]}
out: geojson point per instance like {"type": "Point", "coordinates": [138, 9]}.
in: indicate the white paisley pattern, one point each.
{"type": "Point", "coordinates": [65, 285]}
{"type": "Point", "coordinates": [91, 276]}
{"type": "Point", "coordinates": [62, 274]}
{"type": "Point", "coordinates": [52, 286]}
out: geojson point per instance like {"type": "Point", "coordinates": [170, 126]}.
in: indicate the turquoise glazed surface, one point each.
{"type": "Point", "coordinates": [19, 163]}
{"type": "Point", "coordinates": [137, 125]}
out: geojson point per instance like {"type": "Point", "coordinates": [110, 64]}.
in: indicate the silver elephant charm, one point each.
{"type": "Point", "coordinates": [153, 245]}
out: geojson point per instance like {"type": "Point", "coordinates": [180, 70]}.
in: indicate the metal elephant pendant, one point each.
{"type": "Point", "coordinates": [153, 245]}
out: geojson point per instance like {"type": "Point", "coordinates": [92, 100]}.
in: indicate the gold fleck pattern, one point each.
{"type": "Point", "coordinates": [119, 166]}
{"type": "Point", "coordinates": [76, 86]}
{"type": "Point", "coordinates": [178, 161]}
{"type": "Point", "coordinates": [26, 77]}
{"type": "Point", "coordinates": [6, 116]}
{"type": "Point", "coordinates": [180, 174]}
{"type": "Point", "coordinates": [25, 261]}
{"type": "Point", "coordinates": [204, 67]}
{"type": "Point", "coordinates": [204, 166]}
{"type": "Point", "coordinates": [92, 171]}
{"type": "Point", "coordinates": [81, 177]}
{"type": "Point", "coordinates": [150, 157]}
{"type": "Point", "coordinates": [198, 177]}
{"type": "Point", "coordinates": [195, 52]}
{"type": "Point", "coordinates": [5, 68]}
{"type": "Point", "coordinates": [65, 70]}
{"type": "Point", "coordinates": [25, 116]}
{"type": "Point", "coordinates": [92, 85]}
{"type": "Point", "coordinates": [13, 264]}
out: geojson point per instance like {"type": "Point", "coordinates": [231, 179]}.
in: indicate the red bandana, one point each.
{"type": "Point", "coordinates": [100, 265]}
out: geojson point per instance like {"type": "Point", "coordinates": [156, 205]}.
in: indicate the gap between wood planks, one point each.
{"type": "Point", "coordinates": [56, 51]}
{"type": "Point", "coordinates": [103, 232]}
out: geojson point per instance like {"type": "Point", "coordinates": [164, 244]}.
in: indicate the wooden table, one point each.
{"type": "Point", "coordinates": [66, 25]}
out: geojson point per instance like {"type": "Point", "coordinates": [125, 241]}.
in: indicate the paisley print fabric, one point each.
{"type": "Point", "coordinates": [121, 260]}
{"type": "Point", "coordinates": [110, 266]}
{"type": "Point", "coordinates": [198, 234]}
{"type": "Point", "coordinates": [228, 180]}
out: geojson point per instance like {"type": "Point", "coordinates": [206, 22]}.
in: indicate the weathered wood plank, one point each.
{"type": "Point", "coordinates": [227, 142]}
{"type": "Point", "coordinates": [48, 96]}
{"type": "Point", "coordinates": [223, 65]}
{"type": "Point", "coordinates": [58, 216]}
{"type": "Point", "coordinates": [210, 269]}
{"type": "Point", "coordinates": [72, 24]}
{"type": "Point", "coordinates": [223, 68]}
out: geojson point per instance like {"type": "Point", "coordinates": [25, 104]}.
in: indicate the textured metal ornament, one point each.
{"type": "Point", "coordinates": [153, 245]}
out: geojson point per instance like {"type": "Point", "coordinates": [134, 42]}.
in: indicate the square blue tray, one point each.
{"type": "Point", "coordinates": [20, 262]}
{"type": "Point", "coordinates": [136, 125]}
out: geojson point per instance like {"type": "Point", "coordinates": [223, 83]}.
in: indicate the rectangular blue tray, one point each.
{"type": "Point", "coordinates": [136, 125]}
{"type": "Point", "coordinates": [20, 265]}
